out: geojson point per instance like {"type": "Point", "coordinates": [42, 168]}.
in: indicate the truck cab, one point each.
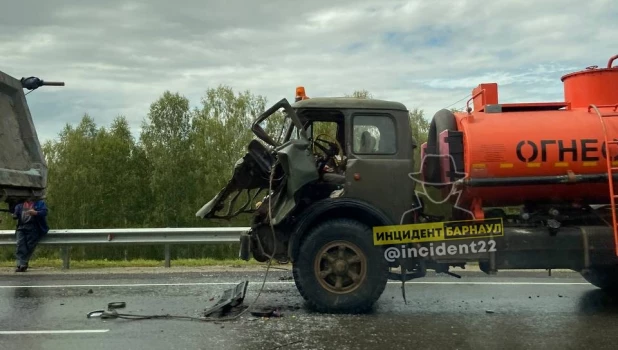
{"type": "Point", "coordinates": [374, 148]}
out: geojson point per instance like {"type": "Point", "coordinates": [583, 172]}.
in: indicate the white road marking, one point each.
{"type": "Point", "coordinates": [58, 332]}
{"type": "Point", "coordinates": [504, 283]}
{"type": "Point", "coordinates": [259, 283]}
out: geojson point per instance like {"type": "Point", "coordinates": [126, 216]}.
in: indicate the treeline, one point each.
{"type": "Point", "coordinates": [102, 177]}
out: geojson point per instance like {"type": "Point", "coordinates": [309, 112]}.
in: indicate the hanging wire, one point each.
{"type": "Point", "coordinates": [454, 103]}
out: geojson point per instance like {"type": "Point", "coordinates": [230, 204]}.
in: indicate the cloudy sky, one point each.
{"type": "Point", "coordinates": [117, 57]}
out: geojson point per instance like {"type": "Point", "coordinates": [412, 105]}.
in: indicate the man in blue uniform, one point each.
{"type": "Point", "coordinates": [31, 217]}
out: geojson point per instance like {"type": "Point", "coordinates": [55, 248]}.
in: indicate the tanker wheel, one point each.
{"type": "Point", "coordinates": [338, 269]}
{"type": "Point", "coordinates": [605, 278]}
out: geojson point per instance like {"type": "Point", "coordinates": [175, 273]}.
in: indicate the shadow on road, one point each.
{"type": "Point", "coordinates": [598, 302]}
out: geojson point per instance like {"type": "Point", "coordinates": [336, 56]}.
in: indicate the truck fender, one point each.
{"type": "Point", "coordinates": [334, 208]}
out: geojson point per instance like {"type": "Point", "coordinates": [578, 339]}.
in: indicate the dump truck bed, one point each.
{"type": "Point", "coordinates": [23, 170]}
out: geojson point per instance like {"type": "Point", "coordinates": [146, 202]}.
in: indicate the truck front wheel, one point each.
{"type": "Point", "coordinates": [339, 269]}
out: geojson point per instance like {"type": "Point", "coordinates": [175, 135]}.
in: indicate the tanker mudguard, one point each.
{"type": "Point", "coordinates": [443, 120]}
{"type": "Point", "coordinates": [334, 207]}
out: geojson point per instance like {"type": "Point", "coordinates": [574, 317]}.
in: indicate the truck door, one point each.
{"type": "Point", "coordinates": [379, 161]}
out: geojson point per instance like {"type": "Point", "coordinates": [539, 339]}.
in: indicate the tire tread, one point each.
{"type": "Point", "coordinates": [380, 279]}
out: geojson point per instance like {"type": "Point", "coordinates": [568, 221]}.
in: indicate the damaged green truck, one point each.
{"type": "Point", "coordinates": [327, 194]}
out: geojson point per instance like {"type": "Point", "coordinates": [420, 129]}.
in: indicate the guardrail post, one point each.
{"type": "Point", "coordinates": [168, 256]}
{"type": "Point", "coordinates": [64, 252]}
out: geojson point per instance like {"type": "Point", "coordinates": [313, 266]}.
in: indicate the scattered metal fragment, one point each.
{"type": "Point", "coordinates": [230, 298]}
{"type": "Point", "coordinates": [97, 313]}
{"type": "Point", "coordinates": [266, 312]}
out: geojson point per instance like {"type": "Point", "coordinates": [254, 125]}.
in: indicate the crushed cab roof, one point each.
{"type": "Point", "coordinates": [348, 103]}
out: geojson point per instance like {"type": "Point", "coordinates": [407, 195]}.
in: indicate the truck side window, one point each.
{"type": "Point", "coordinates": [374, 134]}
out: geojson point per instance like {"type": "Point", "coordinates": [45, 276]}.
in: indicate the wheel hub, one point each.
{"type": "Point", "coordinates": [340, 267]}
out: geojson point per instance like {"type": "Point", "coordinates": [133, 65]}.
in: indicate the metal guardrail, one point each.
{"type": "Point", "coordinates": [141, 236]}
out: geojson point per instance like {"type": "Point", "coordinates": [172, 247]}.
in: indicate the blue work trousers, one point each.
{"type": "Point", "coordinates": [27, 240]}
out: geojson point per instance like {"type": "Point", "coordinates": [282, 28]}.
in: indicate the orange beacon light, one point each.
{"type": "Point", "coordinates": [300, 94]}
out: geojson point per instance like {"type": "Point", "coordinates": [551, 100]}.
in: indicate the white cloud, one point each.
{"type": "Point", "coordinates": [117, 57]}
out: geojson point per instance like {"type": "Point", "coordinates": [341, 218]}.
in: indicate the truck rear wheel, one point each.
{"type": "Point", "coordinates": [605, 278]}
{"type": "Point", "coordinates": [339, 269]}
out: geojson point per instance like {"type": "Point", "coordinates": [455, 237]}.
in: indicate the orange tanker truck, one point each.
{"type": "Point", "coordinates": [556, 162]}
{"type": "Point", "coordinates": [546, 152]}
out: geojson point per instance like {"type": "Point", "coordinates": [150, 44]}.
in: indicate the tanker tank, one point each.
{"type": "Point", "coordinates": [531, 154]}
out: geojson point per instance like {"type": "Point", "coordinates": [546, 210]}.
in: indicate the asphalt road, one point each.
{"type": "Point", "coordinates": [513, 310]}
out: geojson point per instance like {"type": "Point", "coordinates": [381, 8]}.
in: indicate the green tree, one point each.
{"type": "Point", "coordinates": [364, 94]}
{"type": "Point", "coordinates": [420, 130]}
{"type": "Point", "coordinates": [71, 178]}
{"type": "Point", "coordinates": [166, 139]}
{"type": "Point", "coordinates": [222, 131]}
{"type": "Point", "coordinates": [121, 174]}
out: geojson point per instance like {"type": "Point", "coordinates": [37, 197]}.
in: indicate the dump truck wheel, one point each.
{"type": "Point", "coordinates": [339, 269]}
{"type": "Point", "coordinates": [605, 278]}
